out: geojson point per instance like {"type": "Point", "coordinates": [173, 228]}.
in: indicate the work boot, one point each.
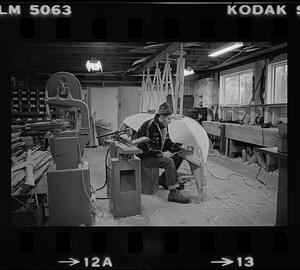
{"type": "Point", "coordinates": [176, 196]}
{"type": "Point", "coordinates": [162, 182]}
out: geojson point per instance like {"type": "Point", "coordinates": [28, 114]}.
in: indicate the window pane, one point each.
{"type": "Point", "coordinates": [280, 84]}
{"type": "Point", "coordinates": [231, 90]}
{"type": "Point", "coordinates": [246, 88]}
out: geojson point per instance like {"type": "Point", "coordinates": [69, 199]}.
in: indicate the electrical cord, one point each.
{"type": "Point", "coordinates": [260, 165]}
{"type": "Point", "coordinates": [105, 183]}
{"type": "Point", "coordinates": [228, 176]}
{"type": "Point", "coordinates": [82, 174]}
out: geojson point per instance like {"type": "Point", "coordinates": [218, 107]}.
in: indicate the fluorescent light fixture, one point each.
{"type": "Point", "coordinates": [226, 49]}
{"type": "Point", "coordinates": [188, 72]}
{"type": "Point", "coordinates": [93, 65]}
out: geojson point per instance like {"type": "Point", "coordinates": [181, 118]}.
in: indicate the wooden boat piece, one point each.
{"type": "Point", "coordinates": [189, 132]}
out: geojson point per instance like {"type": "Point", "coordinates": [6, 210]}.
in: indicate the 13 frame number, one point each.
{"type": "Point", "coordinates": [46, 10]}
{"type": "Point", "coordinates": [247, 261]}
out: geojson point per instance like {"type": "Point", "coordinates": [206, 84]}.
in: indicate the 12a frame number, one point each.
{"type": "Point", "coordinates": [96, 262]}
{"type": "Point", "coordinates": [46, 10]}
{"type": "Point", "coordinates": [247, 262]}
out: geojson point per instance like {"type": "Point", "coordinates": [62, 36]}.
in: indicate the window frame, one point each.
{"type": "Point", "coordinates": [271, 81]}
{"type": "Point", "coordinates": [222, 97]}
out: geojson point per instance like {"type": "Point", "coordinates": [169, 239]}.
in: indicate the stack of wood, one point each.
{"type": "Point", "coordinates": [28, 167]}
{"type": "Point", "coordinates": [17, 146]}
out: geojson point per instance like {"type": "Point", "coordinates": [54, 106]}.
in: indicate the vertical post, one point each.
{"type": "Point", "coordinates": [142, 92]}
{"type": "Point", "coordinates": [181, 81]}
{"type": "Point", "coordinates": [148, 87]}
{"type": "Point", "coordinates": [177, 81]}
{"type": "Point", "coordinates": [172, 92]}
{"type": "Point", "coordinates": [170, 82]}
{"type": "Point", "coordinates": [281, 211]}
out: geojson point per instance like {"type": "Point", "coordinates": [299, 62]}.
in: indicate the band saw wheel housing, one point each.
{"type": "Point", "coordinates": [70, 81]}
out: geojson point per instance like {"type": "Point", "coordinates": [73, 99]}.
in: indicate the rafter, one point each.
{"type": "Point", "coordinates": [159, 55]}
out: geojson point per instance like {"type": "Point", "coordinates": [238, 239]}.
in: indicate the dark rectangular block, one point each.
{"type": "Point", "coordinates": [149, 180]}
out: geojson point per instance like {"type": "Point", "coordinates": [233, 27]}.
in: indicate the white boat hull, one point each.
{"type": "Point", "coordinates": [185, 130]}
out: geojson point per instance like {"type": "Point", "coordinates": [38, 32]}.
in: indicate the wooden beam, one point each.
{"type": "Point", "coordinates": [161, 54]}
{"type": "Point", "coordinates": [260, 54]}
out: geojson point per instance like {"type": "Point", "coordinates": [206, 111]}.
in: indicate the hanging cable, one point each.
{"type": "Point", "coordinates": [105, 183]}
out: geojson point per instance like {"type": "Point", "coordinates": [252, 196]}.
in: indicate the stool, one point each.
{"type": "Point", "coordinates": [149, 180]}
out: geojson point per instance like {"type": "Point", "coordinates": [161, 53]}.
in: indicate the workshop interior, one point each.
{"type": "Point", "coordinates": [76, 107]}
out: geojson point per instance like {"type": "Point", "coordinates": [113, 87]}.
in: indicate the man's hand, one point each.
{"type": "Point", "coordinates": [167, 154]}
{"type": "Point", "coordinates": [188, 148]}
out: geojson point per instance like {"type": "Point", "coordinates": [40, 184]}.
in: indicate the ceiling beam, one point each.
{"type": "Point", "coordinates": [264, 53]}
{"type": "Point", "coordinates": [159, 55]}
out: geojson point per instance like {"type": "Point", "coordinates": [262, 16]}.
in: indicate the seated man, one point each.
{"type": "Point", "coordinates": [158, 151]}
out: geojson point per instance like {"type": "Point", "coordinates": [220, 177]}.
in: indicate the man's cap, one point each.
{"type": "Point", "coordinates": [164, 109]}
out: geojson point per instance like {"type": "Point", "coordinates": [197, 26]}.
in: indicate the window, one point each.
{"type": "Point", "coordinates": [236, 88]}
{"type": "Point", "coordinates": [277, 82]}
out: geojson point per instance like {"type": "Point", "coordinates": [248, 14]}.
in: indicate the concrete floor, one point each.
{"type": "Point", "coordinates": [240, 200]}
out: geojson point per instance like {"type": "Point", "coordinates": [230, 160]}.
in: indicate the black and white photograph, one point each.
{"type": "Point", "coordinates": [149, 133]}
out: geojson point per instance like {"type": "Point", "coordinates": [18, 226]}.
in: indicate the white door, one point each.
{"type": "Point", "coordinates": [129, 101]}
{"type": "Point", "coordinates": [104, 101]}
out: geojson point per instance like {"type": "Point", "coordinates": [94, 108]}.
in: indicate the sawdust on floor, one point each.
{"type": "Point", "coordinates": [234, 197]}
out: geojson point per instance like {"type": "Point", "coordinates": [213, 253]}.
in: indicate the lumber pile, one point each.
{"type": "Point", "coordinates": [51, 125]}
{"type": "Point", "coordinates": [19, 144]}
{"type": "Point", "coordinates": [29, 168]}
{"type": "Point", "coordinates": [28, 163]}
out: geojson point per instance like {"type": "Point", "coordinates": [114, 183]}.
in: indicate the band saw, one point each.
{"type": "Point", "coordinates": [69, 182]}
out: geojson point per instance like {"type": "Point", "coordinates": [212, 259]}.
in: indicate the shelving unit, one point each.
{"type": "Point", "coordinates": [27, 105]}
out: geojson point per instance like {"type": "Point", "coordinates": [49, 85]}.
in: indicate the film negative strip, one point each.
{"type": "Point", "coordinates": [237, 223]}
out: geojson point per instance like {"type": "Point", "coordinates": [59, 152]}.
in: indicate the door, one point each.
{"type": "Point", "coordinates": [104, 101]}
{"type": "Point", "coordinates": [129, 101]}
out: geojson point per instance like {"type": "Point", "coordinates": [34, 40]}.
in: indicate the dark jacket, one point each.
{"type": "Point", "coordinates": [153, 148]}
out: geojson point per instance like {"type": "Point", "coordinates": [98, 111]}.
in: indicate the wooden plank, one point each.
{"type": "Point", "coordinates": [273, 151]}
{"type": "Point", "coordinates": [212, 127]}
{"type": "Point", "coordinates": [29, 169]}
{"type": "Point", "coordinates": [252, 134]}
{"type": "Point", "coordinates": [169, 48]}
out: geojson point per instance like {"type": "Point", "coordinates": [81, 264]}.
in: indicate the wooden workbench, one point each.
{"type": "Point", "coordinates": [232, 134]}
{"type": "Point", "coordinates": [245, 133]}
{"type": "Point", "coordinates": [281, 210]}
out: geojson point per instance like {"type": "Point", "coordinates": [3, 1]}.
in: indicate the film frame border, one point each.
{"type": "Point", "coordinates": [142, 247]}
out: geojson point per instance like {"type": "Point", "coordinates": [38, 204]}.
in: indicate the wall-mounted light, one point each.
{"type": "Point", "coordinates": [93, 65]}
{"type": "Point", "coordinates": [188, 72]}
{"type": "Point", "coordinates": [226, 49]}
